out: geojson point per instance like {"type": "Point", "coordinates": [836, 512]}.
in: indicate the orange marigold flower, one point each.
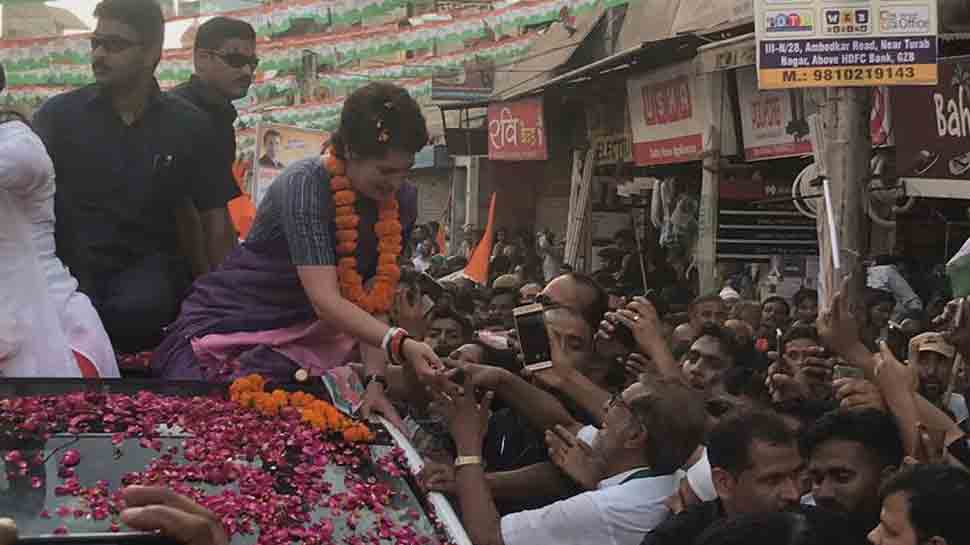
{"type": "Point", "coordinates": [344, 211]}
{"type": "Point", "coordinates": [390, 270]}
{"type": "Point", "coordinates": [346, 248]}
{"type": "Point", "coordinates": [348, 222]}
{"type": "Point", "coordinates": [334, 165]}
{"type": "Point", "coordinates": [346, 235]}
{"type": "Point", "coordinates": [339, 183]}
{"type": "Point", "coordinates": [344, 198]}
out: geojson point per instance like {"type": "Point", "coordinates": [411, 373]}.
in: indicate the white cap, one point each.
{"type": "Point", "coordinates": [729, 293]}
{"type": "Point", "coordinates": [700, 480]}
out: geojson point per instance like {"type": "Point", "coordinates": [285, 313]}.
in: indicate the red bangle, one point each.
{"type": "Point", "coordinates": [396, 344]}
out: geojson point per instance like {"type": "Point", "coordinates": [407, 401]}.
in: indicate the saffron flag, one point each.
{"type": "Point", "coordinates": [442, 241]}
{"type": "Point", "coordinates": [477, 268]}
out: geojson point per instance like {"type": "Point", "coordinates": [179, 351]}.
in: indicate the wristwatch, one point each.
{"type": "Point", "coordinates": [468, 461]}
{"type": "Point", "coordinates": [375, 377]}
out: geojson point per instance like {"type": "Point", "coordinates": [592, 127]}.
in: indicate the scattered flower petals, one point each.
{"type": "Point", "coordinates": [271, 454]}
{"type": "Point", "coordinates": [71, 458]}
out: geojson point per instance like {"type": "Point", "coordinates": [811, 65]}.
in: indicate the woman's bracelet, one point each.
{"type": "Point", "coordinates": [392, 342]}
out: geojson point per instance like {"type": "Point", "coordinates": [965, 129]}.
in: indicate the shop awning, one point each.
{"type": "Point", "coordinates": [28, 19]}
{"type": "Point", "coordinates": [551, 51]}
{"type": "Point", "coordinates": [658, 32]}
{"type": "Point", "coordinates": [655, 20]}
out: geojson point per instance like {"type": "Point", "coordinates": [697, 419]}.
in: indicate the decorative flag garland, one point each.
{"type": "Point", "coordinates": [65, 60]}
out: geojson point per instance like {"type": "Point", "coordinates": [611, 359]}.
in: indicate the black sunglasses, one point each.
{"type": "Point", "coordinates": [112, 44]}
{"type": "Point", "coordinates": [237, 60]}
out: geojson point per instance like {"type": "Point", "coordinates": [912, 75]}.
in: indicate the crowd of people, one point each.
{"type": "Point", "coordinates": [660, 420]}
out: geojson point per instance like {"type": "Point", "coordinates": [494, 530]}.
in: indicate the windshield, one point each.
{"type": "Point", "coordinates": [271, 479]}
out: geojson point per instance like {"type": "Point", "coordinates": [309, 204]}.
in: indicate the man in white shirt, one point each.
{"type": "Point", "coordinates": [884, 275]}
{"type": "Point", "coordinates": [633, 466]}
{"type": "Point", "coordinates": [422, 260]}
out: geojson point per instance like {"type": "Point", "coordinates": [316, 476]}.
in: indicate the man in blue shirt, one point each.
{"type": "Point", "coordinates": [131, 164]}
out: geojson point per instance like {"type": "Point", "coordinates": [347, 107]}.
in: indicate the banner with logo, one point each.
{"type": "Point", "coordinates": [279, 146]}
{"type": "Point", "coordinates": [773, 123]}
{"type": "Point", "coordinates": [932, 125]}
{"type": "Point", "coordinates": [667, 115]}
{"type": "Point", "coordinates": [515, 131]}
{"type": "Point", "coordinates": [820, 43]}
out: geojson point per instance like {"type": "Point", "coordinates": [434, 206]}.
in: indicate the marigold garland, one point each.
{"type": "Point", "coordinates": [388, 229]}
{"type": "Point", "coordinates": [249, 392]}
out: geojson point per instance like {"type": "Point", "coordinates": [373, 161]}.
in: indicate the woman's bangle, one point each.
{"type": "Point", "coordinates": [397, 346]}
{"type": "Point", "coordinates": [385, 342]}
{"type": "Point", "coordinates": [392, 343]}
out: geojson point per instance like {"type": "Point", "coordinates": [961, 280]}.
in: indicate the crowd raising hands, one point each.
{"type": "Point", "coordinates": [637, 433]}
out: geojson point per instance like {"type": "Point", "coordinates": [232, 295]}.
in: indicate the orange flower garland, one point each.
{"type": "Point", "coordinates": [388, 230]}
{"type": "Point", "coordinates": [249, 392]}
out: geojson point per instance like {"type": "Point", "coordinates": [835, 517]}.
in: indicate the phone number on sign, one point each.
{"type": "Point", "coordinates": [780, 78]}
{"type": "Point", "coordinates": [851, 74]}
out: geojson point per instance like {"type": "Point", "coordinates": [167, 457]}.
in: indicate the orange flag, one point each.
{"type": "Point", "coordinates": [477, 268]}
{"type": "Point", "coordinates": [442, 240]}
{"type": "Point", "coordinates": [241, 209]}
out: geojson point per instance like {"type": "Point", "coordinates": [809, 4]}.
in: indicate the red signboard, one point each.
{"type": "Point", "coordinates": [515, 131]}
{"type": "Point", "coordinates": [667, 102]}
{"type": "Point", "coordinates": [666, 111]}
{"type": "Point", "coordinates": [932, 125]}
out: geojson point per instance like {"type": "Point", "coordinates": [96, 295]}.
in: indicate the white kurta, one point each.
{"type": "Point", "coordinates": [42, 315]}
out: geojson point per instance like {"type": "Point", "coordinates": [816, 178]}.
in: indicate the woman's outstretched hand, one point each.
{"type": "Point", "coordinates": [428, 368]}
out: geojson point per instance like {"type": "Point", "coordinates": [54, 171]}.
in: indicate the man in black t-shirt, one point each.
{"type": "Point", "coordinates": [755, 468]}
{"type": "Point", "coordinates": [225, 59]}
{"type": "Point", "coordinates": [131, 162]}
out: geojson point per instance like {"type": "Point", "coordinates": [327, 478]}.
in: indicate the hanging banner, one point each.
{"type": "Point", "coordinates": [813, 43]}
{"type": "Point", "coordinates": [666, 113]}
{"type": "Point", "coordinates": [515, 131]}
{"type": "Point", "coordinates": [279, 146]}
{"type": "Point", "coordinates": [932, 125]}
{"type": "Point", "coordinates": [773, 123]}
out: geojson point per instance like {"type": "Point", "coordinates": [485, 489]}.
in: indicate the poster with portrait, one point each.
{"type": "Point", "coordinates": [279, 146]}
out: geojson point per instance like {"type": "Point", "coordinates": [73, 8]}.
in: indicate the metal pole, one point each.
{"type": "Point", "coordinates": [847, 147]}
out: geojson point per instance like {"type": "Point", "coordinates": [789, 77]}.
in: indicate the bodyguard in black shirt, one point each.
{"type": "Point", "coordinates": [225, 59]}
{"type": "Point", "coordinates": [131, 162]}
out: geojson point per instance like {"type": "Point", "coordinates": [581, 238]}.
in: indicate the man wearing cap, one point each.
{"type": "Point", "coordinates": [730, 296]}
{"type": "Point", "coordinates": [933, 358]}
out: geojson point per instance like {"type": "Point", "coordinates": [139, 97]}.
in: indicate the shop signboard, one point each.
{"type": "Point", "coordinates": [666, 113]}
{"type": "Point", "coordinates": [774, 123]}
{"type": "Point", "coordinates": [743, 231]}
{"type": "Point", "coordinates": [932, 125]}
{"type": "Point", "coordinates": [515, 131]}
{"type": "Point", "coordinates": [279, 146]}
{"type": "Point", "coordinates": [610, 149]}
{"type": "Point", "coordinates": [821, 43]}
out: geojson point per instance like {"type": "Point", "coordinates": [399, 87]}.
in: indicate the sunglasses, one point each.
{"type": "Point", "coordinates": [112, 44]}
{"type": "Point", "coordinates": [237, 60]}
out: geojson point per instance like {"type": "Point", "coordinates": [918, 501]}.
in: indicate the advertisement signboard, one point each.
{"type": "Point", "coordinates": [773, 123]}
{"type": "Point", "coordinates": [932, 125]}
{"type": "Point", "coordinates": [279, 146]}
{"type": "Point", "coordinates": [821, 43]}
{"type": "Point", "coordinates": [666, 113]}
{"type": "Point", "coordinates": [515, 131]}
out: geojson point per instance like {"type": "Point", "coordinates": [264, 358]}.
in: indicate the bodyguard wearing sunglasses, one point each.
{"type": "Point", "coordinates": [134, 166]}
{"type": "Point", "coordinates": [225, 60]}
